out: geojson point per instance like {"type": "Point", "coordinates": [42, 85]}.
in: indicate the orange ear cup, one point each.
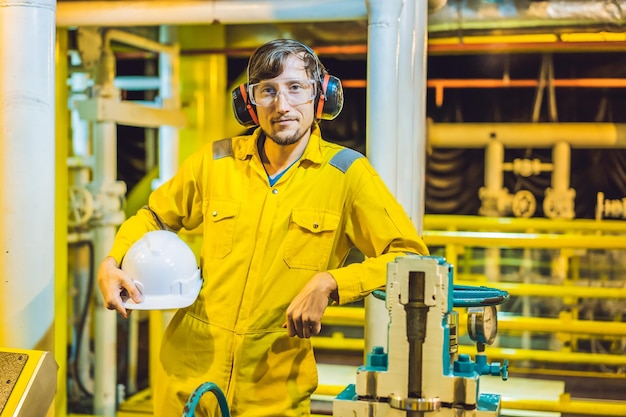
{"type": "Point", "coordinates": [320, 104]}
{"type": "Point", "coordinates": [251, 111]}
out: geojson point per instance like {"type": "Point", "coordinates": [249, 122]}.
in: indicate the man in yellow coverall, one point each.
{"type": "Point", "coordinates": [280, 211]}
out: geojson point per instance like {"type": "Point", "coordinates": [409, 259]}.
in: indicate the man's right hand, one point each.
{"type": "Point", "coordinates": [112, 282]}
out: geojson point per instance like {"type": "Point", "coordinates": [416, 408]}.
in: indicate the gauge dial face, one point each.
{"type": "Point", "coordinates": [482, 324]}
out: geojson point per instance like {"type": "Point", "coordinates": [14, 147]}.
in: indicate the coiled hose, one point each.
{"type": "Point", "coordinates": [194, 399]}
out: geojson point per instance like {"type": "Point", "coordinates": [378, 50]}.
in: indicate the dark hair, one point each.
{"type": "Point", "coordinates": [268, 61]}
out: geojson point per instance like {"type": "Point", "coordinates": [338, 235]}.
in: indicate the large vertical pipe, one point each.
{"type": "Point", "coordinates": [103, 185]}
{"type": "Point", "coordinates": [494, 172]}
{"type": "Point", "coordinates": [561, 156]}
{"type": "Point", "coordinates": [494, 167]}
{"type": "Point", "coordinates": [169, 156]}
{"type": "Point", "coordinates": [61, 221]}
{"type": "Point", "coordinates": [169, 72]}
{"type": "Point", "coordinates": [405, 114]}
{"type": "Point", "coordinates": [81, 267]}
{"type": "Point", "coordinates": [411, 150]}
{"type": "Point", "coordinates": [420, 36]}
{"type": "Point", "coordinates": [105, 375]}
{"type": "Point", "coordinates": [381, 131]}
{"type": "Point", "coordinates": [27, 173]}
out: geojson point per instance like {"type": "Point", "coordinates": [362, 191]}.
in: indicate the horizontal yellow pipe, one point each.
{"type": "Point", "coordinates": [547, 38]}
{"type": "Point", "coordinates": [508, 224]}
{"type": "Point", "coordinates": [523, 135]}
{"type": "Point", "coordinates": [554, 325]}
{"type": "Point", "coordinates": [540, 290]}
{"type": "Point", "coordinates": [523, 240]}
{"type": "Point", "coordinates": [355, 316]}
{"type": "Point", "coordinates": [585, 407]}
{"type": "Point", "coordinates": [344, 316]}
{"type": "Point", "coordinates": [563, 405]}
{"type": "Point", "coordinates": [338, 343]}
{"type": "Point", "coordinates": [515, 355]}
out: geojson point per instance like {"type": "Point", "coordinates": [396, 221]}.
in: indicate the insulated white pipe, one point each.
{"type": "Point", "coordinates": [382, 87]}
{"type": "Point", "coordinates": [381, 130]}
{"type": "Point", "coordinates": [105, 174]}
{"type": "Point", "coordinates": [27, 173]}
{"type": "Point", "coordinates": [154, 13]}
{"type": "Point", "coordinates": [406, 152]}
{"type": "Point", "coordinates": [169, 73]}
{"type": "Point", "coordinates": [420, 34]}
{"type": "Point", "coordinates": [105, 226]}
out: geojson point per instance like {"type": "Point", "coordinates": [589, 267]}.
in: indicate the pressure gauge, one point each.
{"type": "Point", "coordinates": [482, 324]}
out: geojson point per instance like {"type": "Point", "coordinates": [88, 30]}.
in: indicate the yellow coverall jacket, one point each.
{"type": "Point", "coordinates": [261, 245]}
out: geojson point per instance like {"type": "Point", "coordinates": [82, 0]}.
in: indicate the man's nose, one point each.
{"type": "Point", "coordinates": [281, 101]}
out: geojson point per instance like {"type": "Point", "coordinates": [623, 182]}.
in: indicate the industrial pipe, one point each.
{"type": "Point", "coordinates": [155, 13]}
{"type": "Point", "coordinates": [499, 224]}
{"type": "Point", "coordinates": [525, 135]}
{"type": "Point", "coordinates": [341, 344]}
{"type": "Point", "coordinates": [355, 316]}
{"type": "Point", "coordinates": [381, 128]}
{"type": "Point", "coordinates": [563, 405]}
{"type": "Point", "coordinates": [27, 173]}
{"type": "Point", "coordinates": [523, 240]}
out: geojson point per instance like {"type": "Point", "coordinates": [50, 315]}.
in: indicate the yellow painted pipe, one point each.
{"type": "Point", "coordinates": [354, 316]}
{"type": "Point", "coordinates": [585, 407]}
{"type": "Point", "coordinates": [555, 325]}
{"type": "Point", "coordinates": [540, 290]}
{"type": "Point", "coordinates": [508, 224]}
{"type": "Point", "coordinates": [339, 343]}
{"type": "Point", "coordinates": [549, 356]}
{"type": "Point", "coordinates": [563, 405]}
{"type": "Point", "coordinates": [523, 240]}
{"type": "Point", "coordinates": [523, 135]}
{"type": "Point", "coordinates": [344, 316]}
{"type": "Point", "coordinates": [61, 279]}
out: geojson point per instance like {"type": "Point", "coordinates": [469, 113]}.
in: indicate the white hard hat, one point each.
{"type": "Point", "coordinates": [164, 268]}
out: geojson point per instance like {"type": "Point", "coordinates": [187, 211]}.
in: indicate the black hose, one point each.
{"type": "Point", "coordinates": [83, 318]}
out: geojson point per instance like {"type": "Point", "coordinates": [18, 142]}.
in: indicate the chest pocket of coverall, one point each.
{"type": "Point", "coordinates": [310, 238]}
{"type": "Point", "coordinates": [219, 222]}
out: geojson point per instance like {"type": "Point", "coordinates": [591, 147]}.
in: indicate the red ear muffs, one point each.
{"type": "Point", "coordinates": [330, 101]}
{"type": "Point", "coordinates": [328, 104]}
{"type": "Point", "coordinates": [244, 110]}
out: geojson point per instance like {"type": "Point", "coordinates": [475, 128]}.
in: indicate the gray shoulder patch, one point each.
{"type": "Point", "coordinates": [222, 148]}
{"type": "Point", "coordinates": [344, 159]}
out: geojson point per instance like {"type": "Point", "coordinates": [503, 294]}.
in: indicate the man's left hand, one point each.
{"type": "Point", "coordinates": [304, 314]}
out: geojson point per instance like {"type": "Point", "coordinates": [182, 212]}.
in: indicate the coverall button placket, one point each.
{"type": "Point", "coordinates": [266, 212]}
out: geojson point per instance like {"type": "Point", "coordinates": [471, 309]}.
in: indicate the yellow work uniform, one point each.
{"type": "Point", "coordinates": [261, 245]}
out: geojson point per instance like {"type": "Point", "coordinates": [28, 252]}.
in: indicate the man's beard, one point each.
{"type": "Point", "coordinates": [289, 140]}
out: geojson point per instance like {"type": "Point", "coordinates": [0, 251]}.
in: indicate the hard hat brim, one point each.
{"type": "Point", "coordinates": [164, 302]}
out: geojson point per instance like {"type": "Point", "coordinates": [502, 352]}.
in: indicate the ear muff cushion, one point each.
{"type": "Point", "coordinates": [331, 98]}
{"type": "Point", "coordinates": [244, 111]}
